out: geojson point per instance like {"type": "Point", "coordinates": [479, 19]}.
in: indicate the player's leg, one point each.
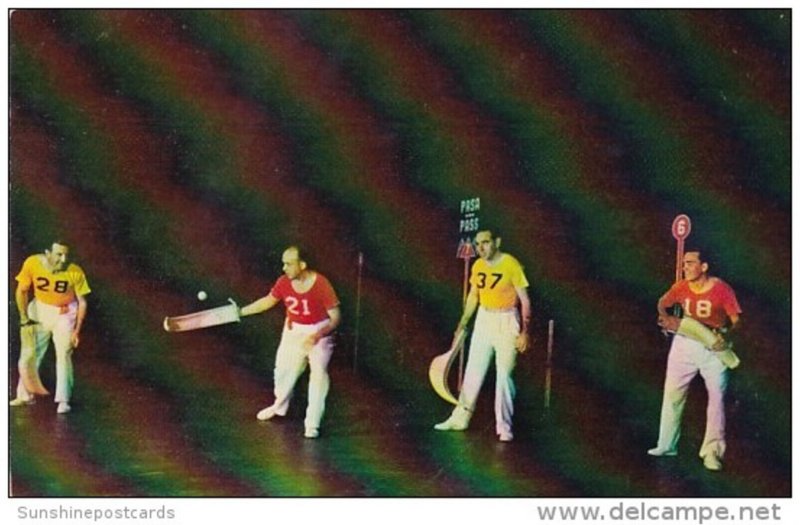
{"type": "Point", "coordinates": [681, 369]}
{"type": "Point", "coordinates": [32, 352]}
{"type": "Point", "coordinates": [63, 326]}
{"type": "Point", "coordinates": [505, 361]}
{"type": "Point", "coordinates": [290, 363]}
{"type": "Point", "coordinates": [715, 375]}
{"type": "Point", "coordinates": [318, 385]}
{"type": "Point", "coordinates": [480, 356]}
{"type": "Point", "coordinates": [45, 317]}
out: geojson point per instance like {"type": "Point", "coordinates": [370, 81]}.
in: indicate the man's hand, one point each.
{"type": "Point", "coordinates": [669, 322]}
{"type": "Point", "coordinates": [27, 333]}
{"type": "Point", "coordinates": [720, 344]}
{"type": "Point", "coordinates": [311, 340]}
{"type": "Point", "coordinates": [522, 343]}
{"type": "Point", "coordinates": [75, 339]}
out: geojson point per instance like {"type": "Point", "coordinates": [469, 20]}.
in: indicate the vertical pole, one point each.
{"type": "Point", "coordinates": [463, 302]}
{"type": "Point", "coordinates": [358, 311]}
{"type": "Point", "coordinates": [679, 261]}
{"type": "Point", "coordinates": [548, 365]}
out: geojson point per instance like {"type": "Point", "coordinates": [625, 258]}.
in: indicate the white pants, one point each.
{"type": "Point", "coordinates": [291, 361]}
{"type": "Point", "coordinates": [495, 337]}
{"type": "Point", "coordinates": [686, 359]}
{"type": "Point", "coordinates": [56, 323]}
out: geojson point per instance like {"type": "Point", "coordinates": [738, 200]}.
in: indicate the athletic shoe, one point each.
{"type": "Point", "coordinates": [267, 413]}
{"type": "Point", "coordinates": [659, 452]}
{"type": "Point", "coordinates": [312, 433]}
{"type": "Point", "coordinates": [21, 402]}
{"type": "Point", "coordinates": [450, 424]}
{"type": "Point", "coordinates": [506, 437]}
{"type": "Point", "coordinates": [712, 462]}
{"type": "Point", "coordinates": [63, 408]}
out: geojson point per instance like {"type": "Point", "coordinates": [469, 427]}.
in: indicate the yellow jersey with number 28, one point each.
{"type": "Point", "coordinates": [497, 285]}
{"type": "Point", "coordinates": [55, 289]}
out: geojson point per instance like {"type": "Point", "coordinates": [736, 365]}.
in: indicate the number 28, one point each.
{"type": "Point", "coordinates": [43, 284]}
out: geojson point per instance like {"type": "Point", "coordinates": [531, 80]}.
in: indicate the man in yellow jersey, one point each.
{"type": "Point", "coordinates": [57, 311]}
{"type": "Point", "coordinates": [497, 286]}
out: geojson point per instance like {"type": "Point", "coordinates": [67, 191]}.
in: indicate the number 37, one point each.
{"type": "Point", "coordinates": [482, 280]}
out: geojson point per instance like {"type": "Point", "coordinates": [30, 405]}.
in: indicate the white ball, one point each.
{"type": "Point", "coordinates": [202, 295]}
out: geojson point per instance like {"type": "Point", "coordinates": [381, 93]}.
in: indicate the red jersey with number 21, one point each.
{"type": "Point", "coordinates": [310, 307]}
{"type": "Point", "coordinates": [712, 307]}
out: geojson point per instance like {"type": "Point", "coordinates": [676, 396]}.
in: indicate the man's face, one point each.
{"type": "Point", "coordinates": [486, 245]}
{"type": "Point", "coordinates": [292, 266]}
{"type": "Point", "coordinates": [57, 256]}
{"type": "Point", "coordinates": [693, 268]}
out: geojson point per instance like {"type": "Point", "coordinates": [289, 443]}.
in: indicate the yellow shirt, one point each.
{"type": "Point", "coordinates": [497, 285]}
{"type": "Point", "coordinates": [55, 289]}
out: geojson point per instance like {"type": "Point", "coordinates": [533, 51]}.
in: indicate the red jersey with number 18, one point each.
{"type": "Point", "coordinates": [309, 307]}
{"type": "Point", "coordinates": [712, 307]}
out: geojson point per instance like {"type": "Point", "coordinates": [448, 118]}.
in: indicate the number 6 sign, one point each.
{"type": "Point", "coordinates": [681, 228]}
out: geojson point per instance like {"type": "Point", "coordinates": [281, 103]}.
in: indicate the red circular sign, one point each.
{"type": "Point", "coordinates": [681, 227]}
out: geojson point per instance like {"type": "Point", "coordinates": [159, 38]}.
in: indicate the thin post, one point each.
{"type": "Point", "coordinates": [358, 311]}
{"type": "Point", "coordinates": [548, 364]}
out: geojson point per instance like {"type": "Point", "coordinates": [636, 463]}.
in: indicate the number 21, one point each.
{"type": "Point", "coordinates": [292, 304]}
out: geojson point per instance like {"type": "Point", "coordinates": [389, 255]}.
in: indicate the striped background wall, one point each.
{"type": "Point", "coordinates": [183, 150]}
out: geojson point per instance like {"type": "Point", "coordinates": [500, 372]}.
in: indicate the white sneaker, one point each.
{"type": "Point", "coordinates": [506, 437]}
{"type": "Point", "coordinates": [659, 452]}
{"type": "Point", "coordinates": [267, 413]}
{"type": "Point", "coordinates": [63, 407]}
{"type": "Point", "coordinates": [450, 424]}
{"type": "Point", "coordinates": [712, 462]}
{"type": "Point", "coordinates": [21, 402]}
{"type": "Point", "coordinates": [312, 433]}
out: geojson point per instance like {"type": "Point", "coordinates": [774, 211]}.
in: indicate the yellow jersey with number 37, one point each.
{"type": "Point", "coordinates": [497, 285]}
{"type": "Point", "coordinates": [55, 289]}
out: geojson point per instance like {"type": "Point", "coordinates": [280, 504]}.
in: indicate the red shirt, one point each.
{"type": "Point", "coordinates": [712, 307]}
{"type": "Point", "coordinates": [306, 308]}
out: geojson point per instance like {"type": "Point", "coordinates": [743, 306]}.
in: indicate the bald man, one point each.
{"type": "Point", "coordinates": [312, 314]}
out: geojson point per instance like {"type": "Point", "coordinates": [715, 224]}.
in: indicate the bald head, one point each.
{"type": "Point", "coordinates": [293, 263]}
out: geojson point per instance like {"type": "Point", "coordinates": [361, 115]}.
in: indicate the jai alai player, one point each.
{"type": "Point", "coordinates": [312, 314]}
{"type": "Point", "coordinates": [497, 285]}
{"type": "Point", "coordinates": [713, 303]}
{"type": "Point", "coordinates": [57, 311]}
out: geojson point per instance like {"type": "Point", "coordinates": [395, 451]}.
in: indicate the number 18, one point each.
{"type": "Point", "coordinates": [703, 308]}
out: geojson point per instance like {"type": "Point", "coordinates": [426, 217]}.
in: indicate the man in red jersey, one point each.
{"type": "Point", "coordinates": [312, 314]}
{"type": "Point", "coordinates": [713, 303]}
